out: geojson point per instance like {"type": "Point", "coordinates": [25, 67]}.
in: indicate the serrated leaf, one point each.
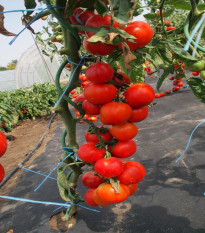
{"type": "Point", "coordinates": [122, 10]}
{"type": "Point", "coordinates": [3, 31]}
{"type": "Point", "coordinates": [161, 79]}
{"type": "Point", "coordinates": [197, 88]}
{"type": "Point", "coordinates": [101, 8]}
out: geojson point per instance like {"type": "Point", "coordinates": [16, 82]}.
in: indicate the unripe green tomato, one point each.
{"type": "Point", "coordinates": [202, 74]}
{"type": "Point", "coordinates": [59, 37]}
{"type": "Point", "coordinates": [195, 66]}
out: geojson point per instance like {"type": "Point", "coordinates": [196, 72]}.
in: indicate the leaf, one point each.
{"type": "Point", "coordinates": [197, 88]}
{"type": "Point", "coordinates": [115, 184]}
{"type": "Point", "coordinates": [3, 31]}
{"type": "Point", "coordinates": [128, 55]}
{"type": "Point", "coordinates": [122, 10]}
{"type": "Point", "coordinates": [161, 79]}
{"type": "Point", "coordinates": [29, 4]}
{"type": "Point", "coordinates": [101, 8]}
{"type": "Point", "coordinates": [63, 185]}
{"type": "Point", "coordinates": [150, 16]}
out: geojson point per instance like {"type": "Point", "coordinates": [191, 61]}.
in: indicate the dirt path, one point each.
{"type": "Point", "coordinates": [22, 140]}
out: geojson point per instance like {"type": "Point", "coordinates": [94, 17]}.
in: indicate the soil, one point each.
{"type": "Point", "coordinates": [21, 141]}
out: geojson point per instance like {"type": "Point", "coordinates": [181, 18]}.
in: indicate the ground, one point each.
{"type": "Point", "coordinates": [21, 141]}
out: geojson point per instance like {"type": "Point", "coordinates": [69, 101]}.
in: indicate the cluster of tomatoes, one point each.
{"type": "Point", "coordinates": [141, 30]}
{"type": "Point", "coordinates": [119, 104]}
{"type": "Point", "coordinates": [3, 147]}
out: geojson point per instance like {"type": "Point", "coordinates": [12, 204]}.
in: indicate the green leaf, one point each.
{"type": "Point", "coordinates": [122, 10]}
{"type": "Point", "coordinates": [197, 88]}
{"type": "Point", "coordinates": [161, 79]}
{"type": "Point", "coordinates": [150, 16]}
{"type": "Point", "coordinates": [29, 4]}
{"type": "Point", "coordinates": [101, 8]}
{"type": "Point", "coordinates": [63, 185]}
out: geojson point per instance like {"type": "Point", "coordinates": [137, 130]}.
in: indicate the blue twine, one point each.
{"type": "Point", "coordinates": [198, 38]}
{"type": "Point", "coordinates": [52, 171]}
{"type": "Point", "coordinates": [78, 20]}
{"type": "Point", "coordinates": [37, 173]}
{"type": "Point", "coordinates": [41, 10]}
{"type": "Point", "coordinates": [82, 61]}
{"type": "Point", "coordinates": [190, 140]}
{"type": "Point", "coordinates": [45, 202]}
{"type": "Point", "coordinates": [33, 201]}
{"type": "Point", "coordinates": [186, 47]}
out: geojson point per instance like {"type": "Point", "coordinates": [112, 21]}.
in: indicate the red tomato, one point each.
{"type": "Point", "coordinates": [91, 180]}
{"type": "Point", "coordinates": [108, 194]}
{"type": "Point", "coordinates": [157, 95]}
{"type": "Point", "coordinates": [108, 167]}
{"type": "Point", "coordinates": [98, 200]}
{"type": "Point", "coordinates": [133, 172]}
{"type": "Point", "coordinates": [100, 93]}
{"type": "Point", "coordinates": [161, 94]}
{"type": "Point", "coordinates": [89, 197]}
{"type": "Point", "coordinates": [3, 144]}
{"type": "Point", "coordinates": [123, 149]}
{"type": "Point", "coordinates": [97, 20]}
{"type": "Point", "coordinates": [139, 95]}
{"type": "Point", "coordinates": [115, 113]}
{"type": "Point", "coordinates": [133, 188]}
{"type": "Point", "coordinates": [104, 133]}
{"type": "Point", "coordinates": [168, 91]}
{"type": "Point", "coordinates": [120, 78]}
{"type": "Point", "coordinates": [195, 73]}
{"type": "Point", "coordinates": [124, 132]}
{"type": "Point", "coordinates": [90, 109]}
{"type": "Point", "coordinates": [143, 33]}
{"type": "Point", "coordinates": [170, 28]}
{"type": "Point", "coordinates": [89, 153]}
{"type": "Point", "coordinates": [98, 48]}
{"type": "Point", "coordinates": [79, 98]}
{"type": "Point", "coordinates": [2, 173]}
{"type": "Point", "coordinates": [180, 84]}
{"type": "Point", "coordinates": [76, 13]}
{"type": "Point", "coordinates": [139, 114]}
{"type": "Point", "coordinates": [85, 16]}
{"type": "Point", "coordinates": [99, 72]}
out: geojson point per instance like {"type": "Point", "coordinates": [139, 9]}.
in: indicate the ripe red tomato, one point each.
{"type": "Point", "coordinates": [99, 48]}
{"type": "Point", "coordinates": [139, 114]}
{"type": "Point", "coordinates": [168, 91]}
{"type": "Point", "coordinates": [170, 28]}
{"type": "Point", "coordinates": [108, 167]}
{"type": "Point", "coordinates": [2, 173]}
{"type": "Point", "coordinates": [120, 78]}
{"type": "Point", "coordinates": [133, 188]}
{"type": "Point", "coordinates": [98, 200]}
{"type": "Point", "coordinates": [195, 73]}
{"type": "Point", "coordinates": [89, 153]}
{"type": "Point", "coordinates": [108, 194]}
{"type": "Point", "coordinates": [143, 33]}
{"type": "Point", "coordinates": [3, 144]}
{"type": "Point", "coordinates": [79, 99]}
{"type": "Point", "coordinates": [133, 172]}
{"type": "Point", "coordinates": [99, 72]}
{"type": "Point", "coordinates": [97, 20]}
{"type": "Point", "coordinates": [100, 93]}
{"type": "Point", "coordinates": [139, 95]}
{"type": "Point", "coordinates": [115, 113]}
{"type": "Point", "coordinates": [123, 149]}
{"type": "Point", "coordinates": [90, 109]}
{"type": "Point", "coordinates": [124, 132]}
{"type": "Point", "coordinates": [89, 197]}
{"type": "Point", "coordinates": [85, 16]}
{"type": "Point", "coordinates": [104, 133]}
{"type": "Point", "coordinates": [91, 180]}
{"type": "Point", "coordinates": [76, 13]}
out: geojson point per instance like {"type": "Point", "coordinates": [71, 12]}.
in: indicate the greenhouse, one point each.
{"type": "Point", "coordinates": [33, 68]}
